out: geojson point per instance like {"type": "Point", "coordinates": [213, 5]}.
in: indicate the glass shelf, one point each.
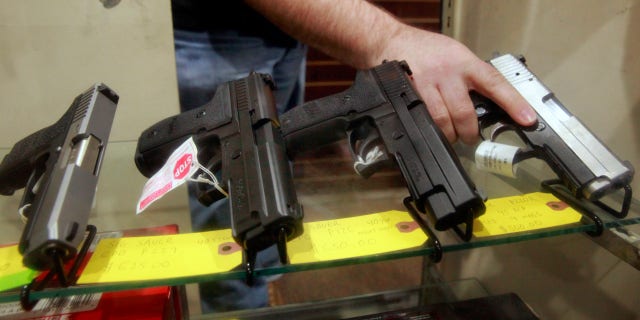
{"type": "Point", "coordinates": [327, 187]}
{"type": "Point", "coordinates": [363, 305]}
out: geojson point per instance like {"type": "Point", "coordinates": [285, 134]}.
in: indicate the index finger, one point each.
{"type": "Point", "coordinates": [490, 83]}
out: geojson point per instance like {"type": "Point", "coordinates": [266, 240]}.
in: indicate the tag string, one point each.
{"type": "Point", "coordinates": [211, 181]}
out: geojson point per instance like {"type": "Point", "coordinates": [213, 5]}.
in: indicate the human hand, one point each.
{"type": "Point", "coordinates": [444, 72]}
{"type": "Point", "coordinates": [362, 35]}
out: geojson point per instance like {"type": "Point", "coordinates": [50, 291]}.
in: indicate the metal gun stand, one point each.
{"type": "Point", "coordinates": [58, 271]}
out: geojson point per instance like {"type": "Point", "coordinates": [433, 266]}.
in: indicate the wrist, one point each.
{"type": "Point", "coordinates": [402, 43]}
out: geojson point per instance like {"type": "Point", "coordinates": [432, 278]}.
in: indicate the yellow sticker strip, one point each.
{"type": "Point", "coordinates": [523, 213]}
{"type": "Point", "coordinates": [172, 256]}
{"type": "Point", "coordinates": [162, 257]}
{"type": "Point", "coordinates": [355, 237]}
{"type": "Point", "coordinates": [12, 272]}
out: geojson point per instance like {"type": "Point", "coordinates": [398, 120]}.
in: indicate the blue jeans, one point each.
{"type": "Point", "coordinates": [204, 60]}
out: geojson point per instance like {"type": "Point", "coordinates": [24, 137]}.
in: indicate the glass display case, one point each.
{"type": "Point", "coordinates": [328, 189]}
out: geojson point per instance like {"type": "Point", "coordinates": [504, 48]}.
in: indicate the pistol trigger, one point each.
{"type": "Point", "coordinates": [30, 191]}
{"type": "Point", "coordinates": [353, 138]}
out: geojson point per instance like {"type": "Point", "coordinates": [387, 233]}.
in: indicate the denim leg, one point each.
{"type": "Point", "coordinates": [204, 61]}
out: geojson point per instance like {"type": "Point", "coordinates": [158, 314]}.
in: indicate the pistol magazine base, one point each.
{"type": "Point", "coordinates": [57, 271]}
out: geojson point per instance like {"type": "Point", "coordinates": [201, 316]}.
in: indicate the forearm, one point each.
{"type": "Point", "coordinates": [353, 31]}
{"type": "Point", "coordinates": [362, 35]}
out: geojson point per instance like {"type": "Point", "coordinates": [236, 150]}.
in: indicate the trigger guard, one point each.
{"type": "Point", "coordinates": [524, 153]}
{"type": "Point", "coordinates": [499, 128]}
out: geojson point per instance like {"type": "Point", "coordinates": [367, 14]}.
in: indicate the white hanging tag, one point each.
{"type": "Point", "coordinates": [180, 167]}
{"type": "Point", "coordinates": [496, 158]}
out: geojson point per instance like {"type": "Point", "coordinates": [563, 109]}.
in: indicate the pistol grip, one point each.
{"type": "Point", "coordinates": [30, 152]}
{"type": "Point", "coordinates": [157, 142]}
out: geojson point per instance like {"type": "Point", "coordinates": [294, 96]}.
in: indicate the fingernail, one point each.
{"type": "Point", "coordinates": [529, 115]}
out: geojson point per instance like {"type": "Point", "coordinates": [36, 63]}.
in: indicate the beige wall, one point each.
{"type": "Point", "coordinates": [54, 50]}
{"type": "Point", "coordinates": [587, 52]}
{"type": "Point", "coordinates": [50, 52]}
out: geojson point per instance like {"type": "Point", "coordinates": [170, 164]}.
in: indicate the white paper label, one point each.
{"type": "Point", "coordinates": [58, 308]}
{"type": "Point", "coordinates": [181, 165]}
{"type": "Point", "coordinates": [496, 158]}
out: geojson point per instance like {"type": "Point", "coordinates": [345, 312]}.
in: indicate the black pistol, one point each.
{"type": "Point", "coordinates": [237, 133]}
{"type": "Point", "coordinates": [59, 166]}
{"type": "Point", "coordinates": [386, 122]}
{"type": "Point", "coordinates": [583, 164]}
